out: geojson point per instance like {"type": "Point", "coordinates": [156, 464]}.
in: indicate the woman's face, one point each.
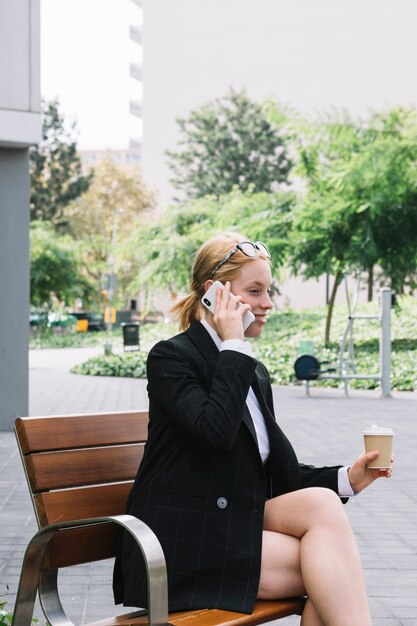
{"type": "Point", "coordinates": [253, 285]}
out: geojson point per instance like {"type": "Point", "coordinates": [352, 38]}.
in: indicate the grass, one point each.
{"type": "Point", "coordinates": [280, 342]}
{"type": "Point", "coordinates": [46, 338]}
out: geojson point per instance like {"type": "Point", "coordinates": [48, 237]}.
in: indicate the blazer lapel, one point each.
{"type": "Point", "coordinates": [210, 353]}
{"type": "Point", "coordinates": [257, 387]}
{"type": "Point", "coordinates": [247, 419]}
{"type": "Point", "coordinates": [204, 344]}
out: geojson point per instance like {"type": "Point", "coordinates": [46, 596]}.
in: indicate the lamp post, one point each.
{"type": "Point", "coordinates": [112, 277]}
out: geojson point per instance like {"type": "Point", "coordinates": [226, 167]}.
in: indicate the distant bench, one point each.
{"type": "Point", "coordinates": [80, 469]}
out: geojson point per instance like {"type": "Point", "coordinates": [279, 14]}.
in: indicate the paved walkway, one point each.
{"type": "Point", "coordinates": [324, 428]}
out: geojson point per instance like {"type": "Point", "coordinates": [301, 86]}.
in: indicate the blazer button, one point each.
{"type": "Point", "coordinates": [222, 503]}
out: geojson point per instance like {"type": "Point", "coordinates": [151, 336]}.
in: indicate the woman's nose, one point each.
{"type": "Point", "coordinates": [267, 302]}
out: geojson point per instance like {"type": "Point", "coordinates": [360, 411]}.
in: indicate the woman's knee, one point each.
{"type": "Point", "coordinates": [322, 496]}
{"type": "Point", "coordinates": [324, 505]}
{"type": "Point", "coordinates": [297, 512]}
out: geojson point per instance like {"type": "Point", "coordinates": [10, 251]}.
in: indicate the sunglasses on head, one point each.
{"type": "Point", "coordinates": [248, 248]}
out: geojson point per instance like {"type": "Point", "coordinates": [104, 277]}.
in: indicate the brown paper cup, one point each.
{"type": "Point", "coordinates": [379, 438]}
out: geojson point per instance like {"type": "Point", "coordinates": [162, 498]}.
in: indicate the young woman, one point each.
{"type": "Point", "coordinates": [237, 515]}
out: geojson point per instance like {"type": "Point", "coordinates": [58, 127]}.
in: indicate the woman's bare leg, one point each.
{"type": "Point", "coordinates": [281, 573]}
{"type": "Point", "coordinates": [310, 616]}
{"type": "Point", "coordinates": [328, 559]}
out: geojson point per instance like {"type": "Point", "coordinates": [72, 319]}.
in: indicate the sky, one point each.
{"type": "Point", "coordinates": [358, 54]}
{"type": "Point", "coordinates": [85, 56]}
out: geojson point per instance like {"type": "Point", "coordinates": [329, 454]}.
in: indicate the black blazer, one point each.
{"type": "Point", "coordinates": [201, 485]}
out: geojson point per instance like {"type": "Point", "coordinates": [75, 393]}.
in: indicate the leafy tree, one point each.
{"type": "Point", "coordinates": [359, 210]}
{"type": "Point", "coordinates": [321, 237]}
{"type": "Point", "coordinates": [116, 205]}
{"type": "Point", "coordinates": [55, 271]}
{"type": "Point", "coordinates": [383, 179]}
{"type": "Point", "coordinates": [226, 143]}
{"type": "Point", "coordinates": [165, 249]}
{"type": "Point", "coordinates": [56, 177]}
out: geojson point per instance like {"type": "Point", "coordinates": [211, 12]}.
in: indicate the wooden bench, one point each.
{"type": "Point", "coordinates": [80, 469]}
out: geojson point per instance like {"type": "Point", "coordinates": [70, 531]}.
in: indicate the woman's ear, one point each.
{"type": "Point", "coordinates": [208, 284]}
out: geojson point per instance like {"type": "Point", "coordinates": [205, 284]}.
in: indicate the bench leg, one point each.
{"type": "Point", "coordinates": [29, 578]}
{"type": "Point", "coordinates": [155, 565]}
{"type": "Point", "coordinates": [33, 577]}
{"type": "Point", "coordinates": [49, 599]}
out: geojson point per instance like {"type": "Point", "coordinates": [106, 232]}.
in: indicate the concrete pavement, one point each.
{"type": "Point", "coordinates": [324, 429]}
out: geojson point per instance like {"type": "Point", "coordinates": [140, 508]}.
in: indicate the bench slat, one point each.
{"type": "Point", "coordinates": [75, 468]}
{"type": "Point", "coordinates": [82, 545]}
{"type": "Point", "coordinates": [264, 611]}
{"type": "Point", "coordinates": [98, 501]}
{"type": "Point", "coordinates": [62, 432]}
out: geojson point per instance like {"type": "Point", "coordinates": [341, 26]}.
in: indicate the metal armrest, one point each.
{"type": "Point", "coordinates": [33, 577]}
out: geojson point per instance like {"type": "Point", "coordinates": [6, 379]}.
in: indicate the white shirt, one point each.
{"type": "Point", "coordinates": [344, 487]}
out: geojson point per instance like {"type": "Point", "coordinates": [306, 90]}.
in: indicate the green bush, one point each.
{"type": "Point", "coordinates": [50, 338]}
{"type": "Point", "coordinates": [150, 333]}
{"type": "Point", "coordinates": [6, 616]}
{"type": "Point", "coordinates": [278, 347]}
{"type": "Point", "coordinates": [128, 365]}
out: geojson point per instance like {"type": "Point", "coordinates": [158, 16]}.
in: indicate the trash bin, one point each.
{"type": "Point", "coordinates": [82, 326]}
{"type": "Point", "coordinates": [130, 335]}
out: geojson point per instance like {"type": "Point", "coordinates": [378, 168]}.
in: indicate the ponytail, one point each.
{"type": "Point", "coordinates": [187, 310]}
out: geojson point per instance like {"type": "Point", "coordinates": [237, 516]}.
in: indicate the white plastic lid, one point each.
{"type": "Point", "coordinates": [378, 430]}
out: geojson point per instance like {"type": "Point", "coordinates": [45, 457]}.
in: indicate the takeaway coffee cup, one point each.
{"type": "Point", "coordinates": [379, 438]}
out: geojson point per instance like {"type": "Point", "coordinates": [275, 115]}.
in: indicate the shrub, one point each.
{"type": "Point", "coordinates": [128, 365]}
{"type": "Point", "coordinates": [278, 347]}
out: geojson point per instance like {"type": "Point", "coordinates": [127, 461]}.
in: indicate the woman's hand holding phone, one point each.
{"type": "Point", "coordinates": [230, 316]}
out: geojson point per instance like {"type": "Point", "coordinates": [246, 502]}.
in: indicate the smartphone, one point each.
{"type": "Point", "coordinates": [209, 301]}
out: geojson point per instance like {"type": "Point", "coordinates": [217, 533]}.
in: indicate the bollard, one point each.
{"type": "Point", "coordinates": [385, 343]}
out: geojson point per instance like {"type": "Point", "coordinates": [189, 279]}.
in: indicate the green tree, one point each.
{"type": "Point", "coordinates": [382, 179]}
{"type": "Point", "coordinates": [226, 143]}
{"type": "Point", "coordinates": [56, 176]}
{"type": "Point", "coordinates": [359, 210]}
{"type": "Point", "coordinates": [321, 237]}
{"type": "Point", "coordinates": [164, 250]}
{"type": "Point", "coordinates": [117, 204]}
{"type": "Point", "coordinates": [55, 272]}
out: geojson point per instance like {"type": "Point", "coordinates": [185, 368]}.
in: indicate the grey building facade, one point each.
{"type": "Point", "coordinates": [20, 127]}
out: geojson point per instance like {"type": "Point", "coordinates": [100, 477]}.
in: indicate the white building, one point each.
{"type": "Point", "coordinates": [136, 87]}
{"type": "Point", "coordinates": [126, 159]}
{"type": "Point", "coordinates": [92, 62]}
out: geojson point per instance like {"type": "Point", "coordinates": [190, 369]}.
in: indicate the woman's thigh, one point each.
{"type": "Point", "coordinates": [280, 567]}
{"type": "Point", "coordinates": [287, 519]}
{"type": "Point", "coordinates": [297, 512]}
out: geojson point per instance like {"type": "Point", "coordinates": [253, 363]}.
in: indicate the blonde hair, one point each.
{"type": "Point", "coordinates": [189, 308]}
